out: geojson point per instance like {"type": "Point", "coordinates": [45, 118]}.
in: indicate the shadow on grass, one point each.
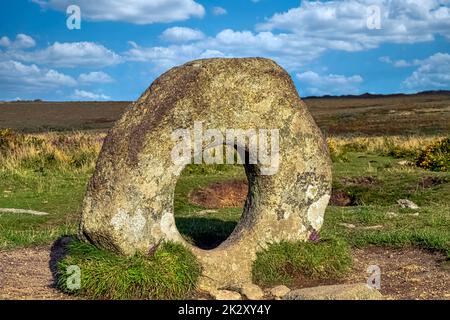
{"type": "Point", "coordinates": [205, 233]}
{"type": "Point", "coordinates": [58, 252]}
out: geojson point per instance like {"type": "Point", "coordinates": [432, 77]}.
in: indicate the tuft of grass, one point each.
{"type": "Point", "coordinates": [426, 238]}
{"type": "Point", "coordinates": [170, 273]}
{"type": "Point", "coordinates": [282, 262]}
{"type": "Point", "coordinates": [408, 147]}
{"type": "Point", "coordinates": [76, 151]}
{"type": "Point", "coordinates": [13, 238]}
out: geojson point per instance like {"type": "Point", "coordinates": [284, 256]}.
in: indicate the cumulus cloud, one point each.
{"type": "Point", "coordinates": [95, 77]}
{"type": "Point", "coordinates": [181, 34]}
{"type": "Point", "coordinates": [22, 41]}
{"type": "Point", "coordinates": [219, 11]}
{"type": "Point", "coordinates": [399, 63]}
{"type": "Point", "coordinates": [342, 25]}
{"type": "Point", "coordinates": [69, 54]}
{"type": "Point", "coordinates": [432, 73]}
{"type": "Point", "coordinates": [87, 95]}
{"type": "Point", "coordinates": [314, 84]}
{"type": "Point", "coordinates": [131, 11]}
{"type": "Point", "coordinates": [300, 35]}
{"type": "Point", "coordinates": [287, 49]}
{"type": "Point", "coordinates": [18, 77]}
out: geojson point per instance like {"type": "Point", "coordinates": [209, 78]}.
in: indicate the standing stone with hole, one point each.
{"type": "Point", "coordinates": [128, 207]}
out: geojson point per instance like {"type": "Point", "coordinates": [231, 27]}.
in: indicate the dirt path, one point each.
{"type": "Point", "coordinates": [407, 273]}
{"type": "Point", "coordinates": [25, 274]}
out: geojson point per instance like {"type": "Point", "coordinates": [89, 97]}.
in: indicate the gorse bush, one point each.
{"type": "Point", "coordinates": [170, 273]}
{"type": "Point", "coordinates": [337, 154]}
{"type": "Point", "coordinates": [436, 156]}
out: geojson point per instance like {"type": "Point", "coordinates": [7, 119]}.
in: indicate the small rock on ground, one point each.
{"type": "Point", "coordinates": [391, 214]}
{"type": "Point", "coordinates": [225, 295]}
{"type": "Point", "coordinates": [405, 163]}
{"type": "Point", "coordinates": [358, 291]}
{"type": "Point", "coordinates": [347, 225]}
{"type": "Point", "coordinates": [279, 291]}
{"type": "Point", "coordinates": [405, 203]}
{"type": "Point", "coordinates": [252, 291]}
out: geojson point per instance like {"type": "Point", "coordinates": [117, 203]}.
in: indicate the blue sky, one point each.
{"type": "Point", "coordinates": [328, 47]}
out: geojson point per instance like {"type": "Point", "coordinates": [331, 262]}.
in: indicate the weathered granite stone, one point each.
{"type": "Point", "coordinates": [359, 291]}
{"type": "Point", "coordinates": [225, 295]}
{"type": "Point", "coordinates": [128, 206]}
{"type": "Point", "coordinates": [251, 291]}
{"type": "Point", "coordinates": [279, 291]}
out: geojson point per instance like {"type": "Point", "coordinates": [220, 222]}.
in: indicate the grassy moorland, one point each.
{"type": "Point", "coordinates": [425, 113]}
{"type": "Point", "coordinates": [383, 150]}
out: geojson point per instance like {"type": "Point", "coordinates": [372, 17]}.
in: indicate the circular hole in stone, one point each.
{"type": "Point", "coordinates": [209, 201]}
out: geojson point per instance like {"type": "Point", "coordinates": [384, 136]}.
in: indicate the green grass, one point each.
{"type": "Point", "coordinates": [425, 238]}
{"type": "Point", "coordinates": [170, 273]}
{"type": "Point", "coordinates": [282, 262]}
{"type": "Point", "coordinates": [60, 192]}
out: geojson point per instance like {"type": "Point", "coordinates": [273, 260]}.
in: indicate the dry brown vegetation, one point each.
{"type": "Point", "coordinates": [385, 115]}
{"type": "Point", "coordinates": [389, 115]}
{"type": "Point", "coordinates": [59, 116]}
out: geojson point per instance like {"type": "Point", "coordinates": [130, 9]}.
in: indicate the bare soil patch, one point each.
{"type": "Point", "coordinates": [341, 198]}
{"type": "Point", "coordinates": [406, 273]}
{"type": "Point", "coordinates": [429, 182]}
{"type": "Point", "coordinates": [360, 181]}
{"type": "Point", "coordinates": [232, 194]}
{"type": "Point", "coordinates": [228, 194]}
{"type": "Point", "coordinates": [26, 274]}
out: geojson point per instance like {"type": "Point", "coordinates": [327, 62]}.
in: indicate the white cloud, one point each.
{"type": "Point", "coordinates": [342, 25]}
{"type": "Point", "coordinates": [219, 11]}
{"type": "Point", "coordinates": [181, 34]}
{"type": "Point", "coordinates": [399, 63]}
{"type": "Point", "coordinates": [433, 73]}
{"type": "Point", "coordinates": [287, 49]}
{"type": "Point", "coordinates": [314, 84]}
{"type": "Point", "coordinates": [312, 29]}
{"type": "Point", "coordinates": [18, 77]}
{"type": "Point", "coordinates": [87, 95]}
{"type": "Point", "coordinates": [22, 41]}
{"type": "Point", "coordinates": [95, 77]}
{"type": "Point", "coordinates": [131, 11]}
{"type": "Point", "coordinates": [69, 54]}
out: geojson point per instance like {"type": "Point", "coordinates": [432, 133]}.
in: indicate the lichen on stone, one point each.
{"type": "Point", "coordinates": [128, 206]}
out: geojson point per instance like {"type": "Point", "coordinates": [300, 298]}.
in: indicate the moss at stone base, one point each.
{"type": "Point", "coordinates": [282, 263]}
{"type": "Point", "coordinates": [170, 273]}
